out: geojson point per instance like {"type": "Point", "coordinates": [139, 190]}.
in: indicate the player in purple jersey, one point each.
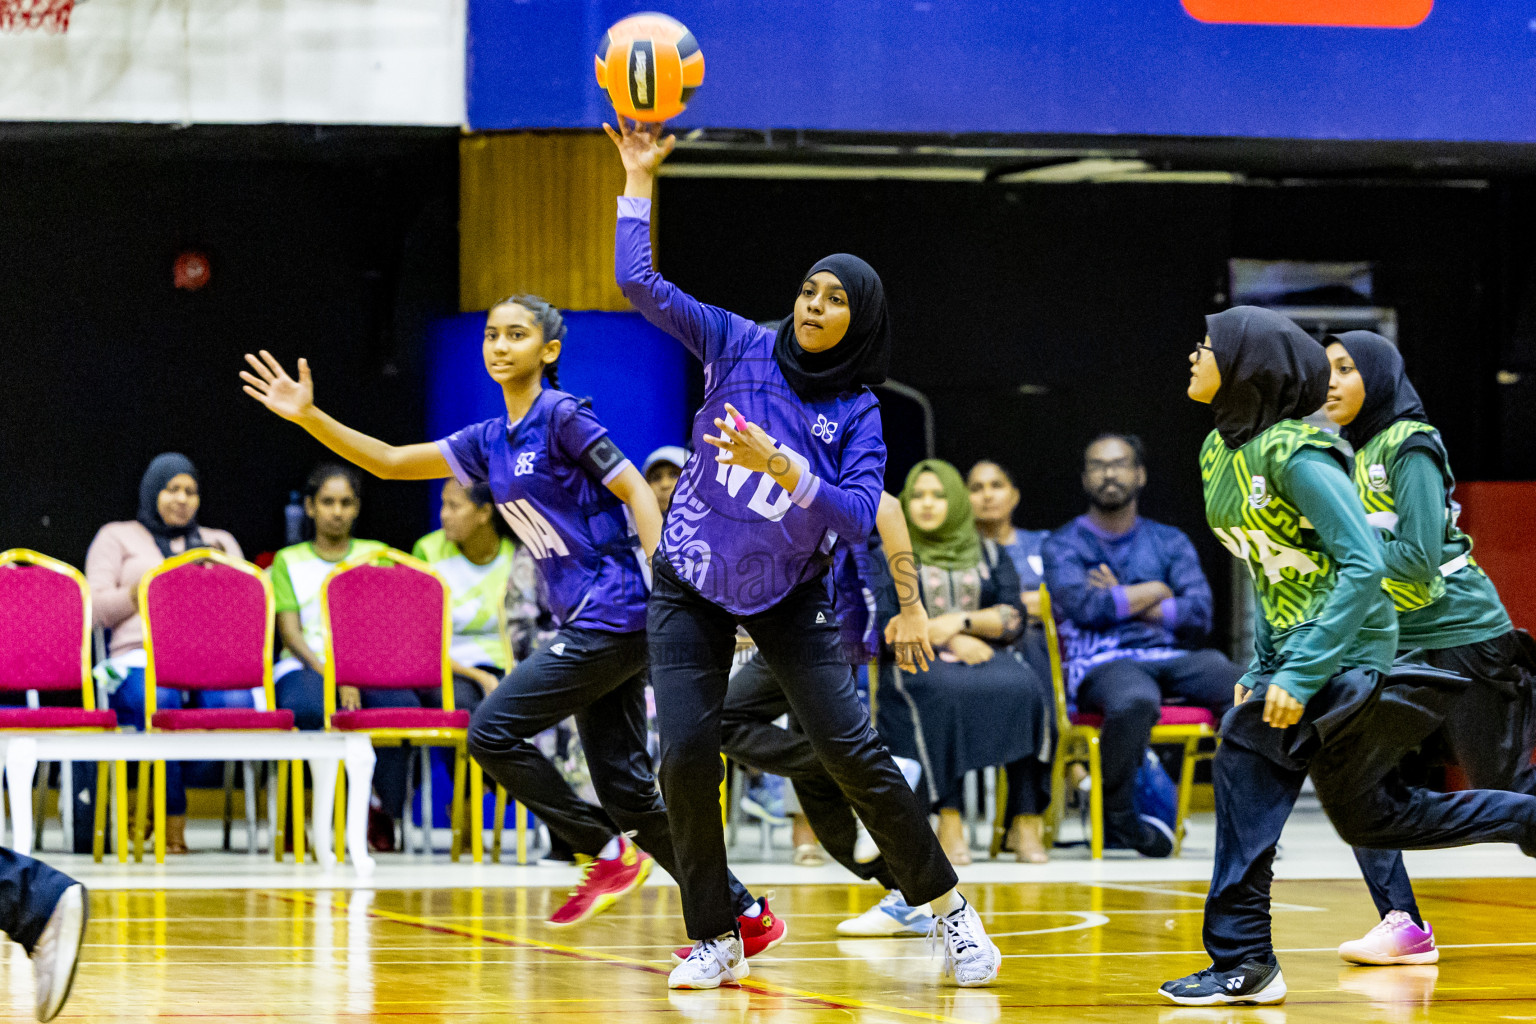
{"type": "Point", "coordinates": [747, 541]}
{"type": "Point", "coordinates": [590, 521]}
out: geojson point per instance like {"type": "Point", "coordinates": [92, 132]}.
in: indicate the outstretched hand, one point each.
{"type": "Point", "coordinates": [272, 387]}
{"type": "Point", "coordinates": [641, 145]}
{"type": "Point", "coordinates": [749, 446]}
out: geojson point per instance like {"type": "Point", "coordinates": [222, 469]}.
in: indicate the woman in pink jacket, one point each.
{"type": "Point", "coordinates": [118, 558]}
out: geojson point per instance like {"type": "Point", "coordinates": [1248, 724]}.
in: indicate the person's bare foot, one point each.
{"type": "Point", "coordinates": [952, 837]}
{"type": "Point", "coordinates": [1028, 839]}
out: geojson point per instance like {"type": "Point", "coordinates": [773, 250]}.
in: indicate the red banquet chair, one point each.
{"type": "Point", "coordinates": [45, 644]}
{"type": "Point", "coordinates": [208, 625]}
{"type": "Point", "coordinates": [387, 626]}
{"type": "Point", "coordinates": [1078, 740]}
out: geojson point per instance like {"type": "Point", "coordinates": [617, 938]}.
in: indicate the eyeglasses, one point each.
{"type": "Point", "coordinates": [1202, 347]}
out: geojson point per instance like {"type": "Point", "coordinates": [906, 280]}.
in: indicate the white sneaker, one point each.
{"type": "Point", "coordinates": [710, 963]}
{"type": "Point", "coordinates": [57, 952]}
{"type": "Point", "coordinates": [889, 918]}
{"type": "Point", "coordinates": [969, 955]}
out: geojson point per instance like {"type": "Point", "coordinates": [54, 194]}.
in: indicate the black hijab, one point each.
{"type": "Point", "coordinates": [862, 357]}
{"type": "Point", "coordinates": [1271, 370]}
{"type": "Point", "coordinates": [162, 469]}
{"type": "Point", "coordinates": [1389, 396]}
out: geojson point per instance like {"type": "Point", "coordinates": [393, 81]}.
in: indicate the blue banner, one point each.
{"type": "Point", "coordinates": [1463, 71]}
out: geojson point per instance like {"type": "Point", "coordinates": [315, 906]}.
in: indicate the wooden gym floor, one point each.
{"type": "Point", "coordinates": [1075, 952]}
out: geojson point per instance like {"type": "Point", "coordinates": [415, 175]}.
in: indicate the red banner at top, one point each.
{"type": "Point", "coordinates": [1337, 13]}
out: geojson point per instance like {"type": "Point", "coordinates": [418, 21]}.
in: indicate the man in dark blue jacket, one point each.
{"type": "Point", "coordinates": [1134, 605]}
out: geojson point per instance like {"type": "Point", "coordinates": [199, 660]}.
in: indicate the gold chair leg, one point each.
{"type": "Point", "coordinates": [120, 809]}
{"type": "Point", "coordinates": [1057, 809]}
{"type": "Point", "coordinates": [522, 831]}
{"type": "Point", "coordinates": [1000, 821]}
{"type": "Point", "coordinates": [1186, 784]}
{"type": "Point", "coordinates": [476, 812]}
{"type": "Point", "coordinates": [1095, 800]}
{"type": "Point", "coordinates": [456, 805]}
{"type": "Point", "coordinates": [497, 821]}
{"type": "Point", "coordinates": [280, 826]}
{"type": "Point", "coordinates": [141, 809]}
{"type": "Point", "coordinates": [339, 817]}
{"type": "Point", "coordinates": [160, 828]}
{"type": "Point", "coordinates": [297, 778]}
{"type": "Point", "coordinates": [99, 831]}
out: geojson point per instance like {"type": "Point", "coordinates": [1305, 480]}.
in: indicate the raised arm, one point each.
{"type": "Point", "coordinates": [702, 328]}
{"type": "Point", "coordinates": [294, 400]}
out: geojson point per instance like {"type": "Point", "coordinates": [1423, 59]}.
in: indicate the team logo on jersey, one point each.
{"type": "Point", "coordinates": [524, 464]}
{"type": "Point", "coordinates": [557, 648]}
{"type": "Point", "coordinates": [824, 429]}
{"type": "Point", "coordinates": [1258, 494]}
{"type": "Point", "coordinates": [1376, 477]}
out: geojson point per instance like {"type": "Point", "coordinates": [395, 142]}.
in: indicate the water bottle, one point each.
{"type": "Point", "coordinates": [293, 518]}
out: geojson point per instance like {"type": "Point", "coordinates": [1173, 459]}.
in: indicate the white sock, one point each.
{"type": "Point", "coordinates": [610, 851]}
{"type": "Point", "coordinates": [948, 903]}
{"type": "Point", "coordinates": [755, 910]}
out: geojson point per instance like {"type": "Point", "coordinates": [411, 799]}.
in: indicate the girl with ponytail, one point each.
{"type": "Point", "coordinates": [591, 523]}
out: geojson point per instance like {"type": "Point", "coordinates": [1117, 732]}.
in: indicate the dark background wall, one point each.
{"type": "Point", "coordinates": [337, 245]}
{"type": "Point", "coordinates": [1090, 297]}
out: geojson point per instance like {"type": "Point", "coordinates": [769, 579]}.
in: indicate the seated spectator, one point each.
{"type": "Point", "coordinates": [475, 558]}
{"type": "Point", "coordinates": [979, 704]}
{"type": "Point", "coordinates": [994, 497]}
{"type": "Point", "coordinates": [332, 501]}
{"type": "Point", "coordinates": [1134, 605]}
{"type": "Point", "coordinates": [662, 469]}
{"type": "Point", "coordinates": [117, 560]}
{"type": "Point", "coordinates": [993, 500]}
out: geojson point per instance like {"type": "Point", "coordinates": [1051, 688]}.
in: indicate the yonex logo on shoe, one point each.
{"type": "Point", "coordinates": [1234, 983]}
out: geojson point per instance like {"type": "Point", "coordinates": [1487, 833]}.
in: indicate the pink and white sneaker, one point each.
{"type": "Point", "coordinates": [1396, 940]}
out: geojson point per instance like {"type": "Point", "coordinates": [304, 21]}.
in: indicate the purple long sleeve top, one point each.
{"type": "Point", "coordinates": [736, 536]}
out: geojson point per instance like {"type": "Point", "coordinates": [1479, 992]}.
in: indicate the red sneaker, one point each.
{"type": "Point", "coordinates": [758, 934]}
{"type": "Point", "coordinates": [602, 883]}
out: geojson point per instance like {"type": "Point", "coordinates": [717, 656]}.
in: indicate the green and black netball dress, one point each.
{"type": "Point", "coordinates": [1293, 574]}
{"type": "Point", "coordinates": [1279, 496]}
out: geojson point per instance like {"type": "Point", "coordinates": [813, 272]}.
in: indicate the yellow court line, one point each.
{"type": "Point", "coordinates": [751, 985]}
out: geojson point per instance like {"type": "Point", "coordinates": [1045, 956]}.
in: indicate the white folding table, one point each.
{"type": "Point", "coordinates": [325, 752]}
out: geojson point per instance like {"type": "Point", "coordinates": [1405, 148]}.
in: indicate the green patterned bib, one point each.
{"type": "Point", "coordinates": [1373, 482]}
{"type": "Point", "coordinates": [1291, 571]}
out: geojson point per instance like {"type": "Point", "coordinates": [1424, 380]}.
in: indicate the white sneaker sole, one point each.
{"type": "Point", "coordinates": [888, 928]}
{"type": "Point", "coordinates": [76, 913]}
{"type": "Point", "coordinates": [704, 984]}
{"type": "Point", "coordinates": [1366, 958]}
{"type": "Point", "coordinates": [1269, 995]}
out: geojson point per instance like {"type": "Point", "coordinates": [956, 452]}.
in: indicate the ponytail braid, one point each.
{"type": "Point", "coordinates": [550, 322]}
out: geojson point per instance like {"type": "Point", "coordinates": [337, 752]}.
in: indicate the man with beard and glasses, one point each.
{"type": "Point", "coordinates": [1134, 606]}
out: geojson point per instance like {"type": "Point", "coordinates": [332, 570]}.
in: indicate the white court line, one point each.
{"type": "Point", "coordinates": [1128, 887]}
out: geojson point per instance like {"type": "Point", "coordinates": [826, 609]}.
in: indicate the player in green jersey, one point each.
{"type": "Point", "coordinates": [1317, 697]}
{"type": "Point", "coordinates": [1447, 610]}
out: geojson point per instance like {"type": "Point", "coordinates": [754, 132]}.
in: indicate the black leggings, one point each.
{"type": "Point", "coordinates": [692, 644]}
{"type": "Point", "coordinates": [600, 678]}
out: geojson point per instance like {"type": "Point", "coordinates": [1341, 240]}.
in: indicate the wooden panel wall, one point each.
{"type": "Point", "coordinates": [536, 214]}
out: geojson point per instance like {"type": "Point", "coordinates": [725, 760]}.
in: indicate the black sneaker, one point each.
{"type": "Point", "coordinates": [1255, 982]}
{"type": "Point", "coordinates": [1156, 839]}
